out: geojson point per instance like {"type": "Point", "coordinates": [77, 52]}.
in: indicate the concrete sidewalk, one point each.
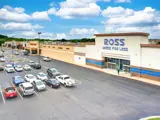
{"type": "Point", "coordinates": [122, 74]}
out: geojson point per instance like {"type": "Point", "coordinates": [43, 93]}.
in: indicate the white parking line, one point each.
{"type": "Point", "coordinates": [36, 93]}
{"type": "Point", "coordinates": [2, 96]}
{"type": "Point", "coordinates": [48, 89]}
{"type": "Point", "coordinates": [17, 90]}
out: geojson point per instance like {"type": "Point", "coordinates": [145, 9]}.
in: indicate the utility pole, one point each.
{"type": "Point", "coordinates": [39, 33]}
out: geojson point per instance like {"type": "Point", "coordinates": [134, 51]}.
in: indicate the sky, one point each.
{"type": "Point", "coordinates": [71, 19]}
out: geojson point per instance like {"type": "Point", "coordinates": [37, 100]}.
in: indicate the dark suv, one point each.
{"type": "Point", "coordinates": [52, 72]}
{"type": "Point", "coordinates": [36, 66]}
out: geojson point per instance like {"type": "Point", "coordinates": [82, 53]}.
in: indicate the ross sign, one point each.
{"type": "Point", "coordinates": [115, 44]}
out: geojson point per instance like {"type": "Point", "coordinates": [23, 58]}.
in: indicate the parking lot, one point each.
{"type": "Point", "coordinates": [96, 96]}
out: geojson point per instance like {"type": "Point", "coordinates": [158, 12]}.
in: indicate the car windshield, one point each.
{"type": "Point", "coordinates": [42, 75]}
{"type": "Point", "coordinates": [31, 76]}
{"type": "Point", "coordinates": [39, 83]}
{"type": "Point", "coordinates": [26, 65]}
{"type": "Point", "coordinates": [19, 66]}
{"type": "Point", "coordinates": [28, 88]}
{"type": "Point", "coordinates": [54, 81]}
{"type": "Point", "coordinates": [53, 70]}
{"type": "Point", "coordinates": [18, 77]}
{"type": "Point", "coordinates": [9, 66]}
{"type": "Point", "coordinates": [10, 89]}
{"type": "Point", "coordinates": [58, 74]}
{"type": "Point", "coordinates": [67, 78]}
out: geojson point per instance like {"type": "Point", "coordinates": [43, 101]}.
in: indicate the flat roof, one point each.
{"type": "Point", "coordinates": [123, 34]}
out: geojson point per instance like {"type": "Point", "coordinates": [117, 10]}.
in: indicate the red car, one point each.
{"type": "Point", "coordinates": [10, 92]}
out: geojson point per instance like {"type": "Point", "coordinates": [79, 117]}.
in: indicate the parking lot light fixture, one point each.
{"type": "Point", "coordinates": [39, 33]}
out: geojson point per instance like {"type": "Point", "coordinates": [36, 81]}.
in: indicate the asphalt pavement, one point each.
{"type": "Point", "coordinates": [96, 96]}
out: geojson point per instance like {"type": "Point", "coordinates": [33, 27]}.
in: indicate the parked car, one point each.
{"type": "Point", "coordinates": [47, 59]}
{"type": "Point", "coordinates": [39, 85]}
{"type": "Point", "coordinates": [10, 92]}
{"type": "Point", "coordinates": [37, 66]}
{"type": "Point", "coordinates": [26, 67]}
{"type": "Point", "coordinates": [66, 80]}
{"type": "Point", "coordinates": [18, 68]}
{"type": "Point", "coordinates": [9, 68]}
{"type": "Point", "coordinates": [16, 53]}
{"type": "Point", "coordinates": [42, 76]}
{"type": "Point", "coordinates": [1, 68]}
{"type": "Point", "coordinates": [30, 78]}
{"type": "Point", "coordinates": [53, 83]}
{"type": "Point", "coordinates": [17, 80]}
{"type": "Point", "coordinates": [26, 89]}
{"type": "Point", "coordinates": [25, 52]}
{"type": "Point", "coordinates": [2, 59]}
{"type": "Point", "coordinates": [51, 71]}
{"type": "Point", "coordinates": [31, 63]}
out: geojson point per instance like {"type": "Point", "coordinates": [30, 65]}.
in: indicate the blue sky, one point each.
{"type": "Point", "coordinates": [70, 19]}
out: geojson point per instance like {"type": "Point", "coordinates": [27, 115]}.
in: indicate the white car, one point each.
{"type": "Point", "coordinates": [31, 63]}
{"type": "Point", "coordinates": [27, 67]}
{"type": "Point", "coordinates": [18, 68]}
{"type": "Point", "coordinates": [39, 85]}
{"type": "Point", "coordinates": [26, 89]}
{"type": "Point", "coordinates": [2, 59]}
{"type": "Point", "coordinates": [66, 80]}
{"type": "Point", "coordinates": [30, 78]}
{"type": "Point", "coordinates": [47, 59]}
{"type": "Point", "coordinates": [42, 76]}
{"type": "Point", "coordinates": [9, 68]}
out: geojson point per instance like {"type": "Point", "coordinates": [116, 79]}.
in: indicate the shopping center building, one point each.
{"type": "Point", "coordinates": [130, 52]}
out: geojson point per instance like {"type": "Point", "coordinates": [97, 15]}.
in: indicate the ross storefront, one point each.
{"type": "Point", "coordinates": [128, 51]}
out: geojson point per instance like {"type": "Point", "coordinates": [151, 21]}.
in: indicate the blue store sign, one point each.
{"type": "Point", "coordinates": [115, 44]}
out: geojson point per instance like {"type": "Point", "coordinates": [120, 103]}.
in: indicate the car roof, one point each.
{"type": "Point", "coordinates": [27, 84]}
{"type": "Point", "coordinates": [52, 68]}
{"type": "Point", "coordinates": [31, 61]}
{"type": "Point", "coordinates": [29, 75]}
{"type": "Point", "coordinates": [8, 65]}
{"type": "Point", "coordinates": [41, 73]}
{"type": "Point", "coordinates": [37, 80]}
{"type": "Point", "coordinates": [64, 75]}
{"type": "Point", "coordinates": [17, 76]}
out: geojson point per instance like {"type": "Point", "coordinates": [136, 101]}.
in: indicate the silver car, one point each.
{"type": "Point", "coordinates": [26, 89]}
{"type": "Point", "coordinates": [39, 85]}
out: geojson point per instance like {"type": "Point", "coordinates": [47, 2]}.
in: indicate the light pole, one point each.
{"type": "Point", "coordinates": [39, 33]}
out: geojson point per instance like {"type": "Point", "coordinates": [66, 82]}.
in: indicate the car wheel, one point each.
{"type": "Point", "coordinates": [65, 84]}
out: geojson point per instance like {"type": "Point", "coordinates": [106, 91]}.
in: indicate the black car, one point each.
{"type": "Point", "coordinates": [36, 66]}
{"type": "Point", "coordinates": [53, 83]}
{"type": "Point", "coordinates": [1, 68]}
{"type": "Point", "coordinates": [51, 72]}
{"type": "Point", "coordinates": [25, 53]}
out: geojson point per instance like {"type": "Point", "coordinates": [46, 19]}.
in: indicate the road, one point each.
{"type": "Point", "coordinates": [97, 96]}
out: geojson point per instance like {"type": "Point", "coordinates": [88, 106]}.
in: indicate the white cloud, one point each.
{"type": "Point", "coordinates": [76, 8]}
{"type": "Point", "coordinates": [61, 36]}
{"type": "Point", "coordinates": [13, 14]}
{"type": "Point", "coordinates": [51, 11]}
{"type": "Point", "coordinates": [121, 19]}
{"type": "Point", "coordinates": [8, 13]}
{"type": "Point", "coordinates": [40, 15]}
{"type": "Point", "coordinates": [12, 26]}
{"type": "Point", "coordinates": [51, 4]}
{"type": "Point", "coordinates": [83, 31]}
{"type": "Point", "coordinates": [117, 12]}
{"type": "Point", "coordinates": [122, 1]}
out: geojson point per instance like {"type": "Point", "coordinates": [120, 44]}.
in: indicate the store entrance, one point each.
{"type": "Point", "coordinates": [111, 63]}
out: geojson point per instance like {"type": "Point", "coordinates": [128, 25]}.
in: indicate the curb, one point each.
{"type": "Point", "coordinates": [109, 73]}
{"type": "Point", "coordinates": [150, 117]}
